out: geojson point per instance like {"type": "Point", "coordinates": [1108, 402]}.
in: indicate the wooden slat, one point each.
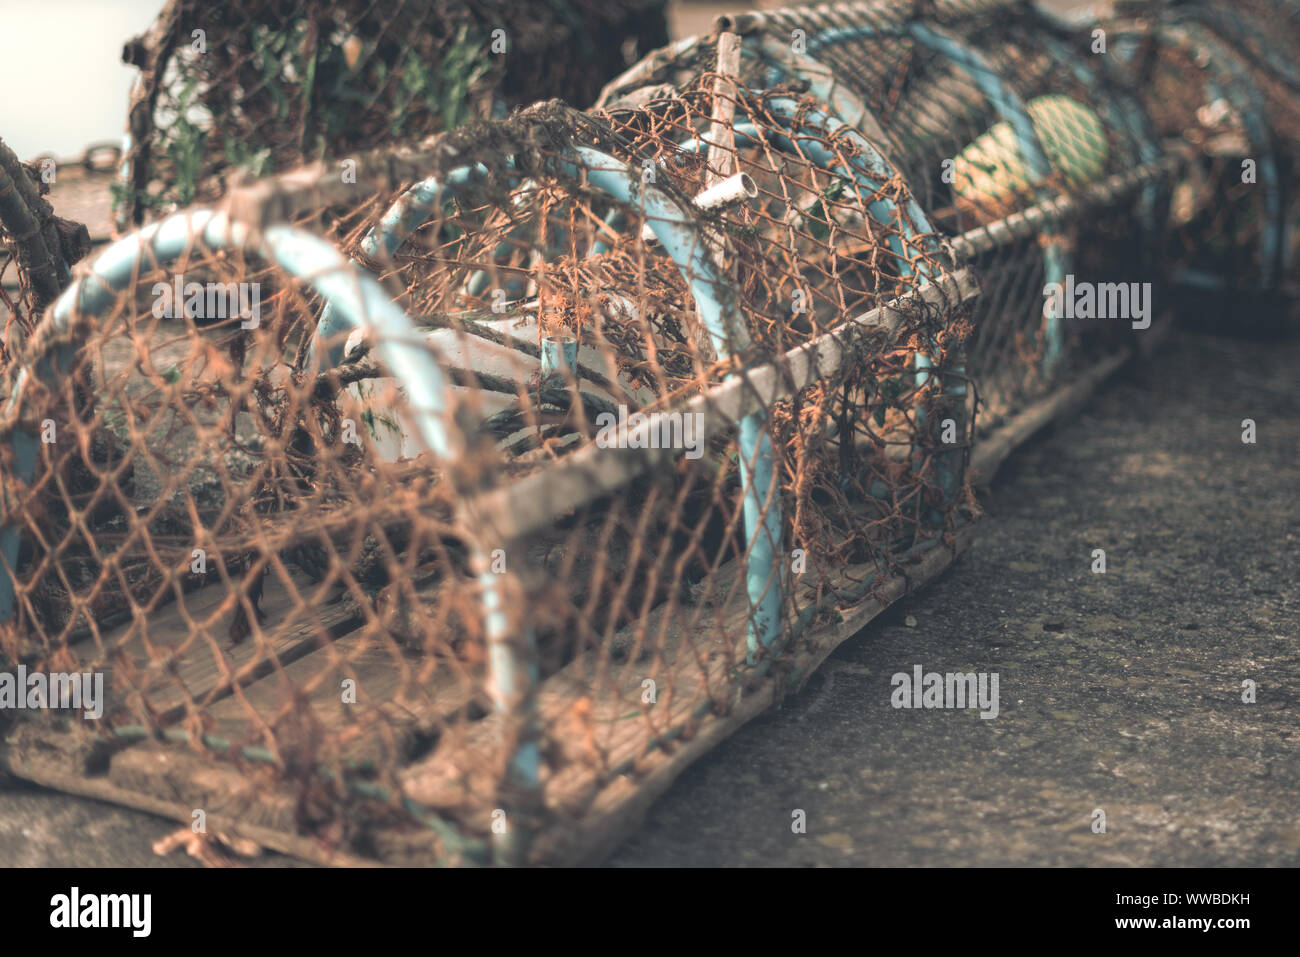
{"type": "Point", "coordinates": [41, 756]}
{"type": "Point", "coordinates": [183, 651]}
{"type": "Point", "coordinates": [393, 705]}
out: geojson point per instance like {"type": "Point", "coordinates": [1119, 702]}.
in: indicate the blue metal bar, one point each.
{"type": "Point", "coordinates": [513, 680]}
{"type": "Point", "coordinates": [764, 568]}
{"type": "Point", "coordinates": [559, 356]}
{"type": "Point", "coordinates": [1005, 102]}
{"type": "Point", "coordinates": [677, 231]}
{"type": "Point", "coordinates": [868, 168]}
{"type": "Point", "coordinates": [1055, 260]}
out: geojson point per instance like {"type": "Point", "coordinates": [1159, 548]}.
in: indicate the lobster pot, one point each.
{"type": "Point", "coordinates": [444, 513]}
{"type": "Point", "coordinates": [1007, 130]}
{"type": "Point", "coordinates": [263, 86]}
{"type": "Point", "coordinates": [194, 515]}
{"type": "Point", "coordinates": [589, 431]}
{"type": "Point", "coordinates": [1103, 151]}
{"type": "Point", "coordinates": [1214, 83]}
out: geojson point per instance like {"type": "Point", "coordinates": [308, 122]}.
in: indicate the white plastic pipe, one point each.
{"type": "Point", "coordinates": [731, 190]}
{"type": "Point", "coordinates": [727, 192]}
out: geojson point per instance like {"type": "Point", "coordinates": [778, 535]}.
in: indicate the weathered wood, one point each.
{"type": "Point", "coordinates": [722, 138]}
{"type": "Point", "coordinates": [393, 703]}
{"type": "Point", "coordinates": [34, 754]}
{"type": "Point", "coordinates": [182, 651]}
{"type": "Point", "coordinates": [28, 220]}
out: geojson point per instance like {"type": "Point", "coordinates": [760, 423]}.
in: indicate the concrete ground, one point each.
{"type": "Point", "coordinates": [1120, 692]}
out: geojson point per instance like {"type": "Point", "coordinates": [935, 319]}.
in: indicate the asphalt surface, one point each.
{"type": "Point", "coordinates": [1119, 692]}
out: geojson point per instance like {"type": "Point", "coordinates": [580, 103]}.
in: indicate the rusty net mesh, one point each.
{"type": "Point", "coordinates": [263, 85]}
{"type": "Point", "coordinates": [1216, 78]}
{"type": "Point", "coordinates": [416, 507]}
{"type": "Point", "coordinates": [990, 112]}
{"type": "Point", "coordinates": [291, 555]}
